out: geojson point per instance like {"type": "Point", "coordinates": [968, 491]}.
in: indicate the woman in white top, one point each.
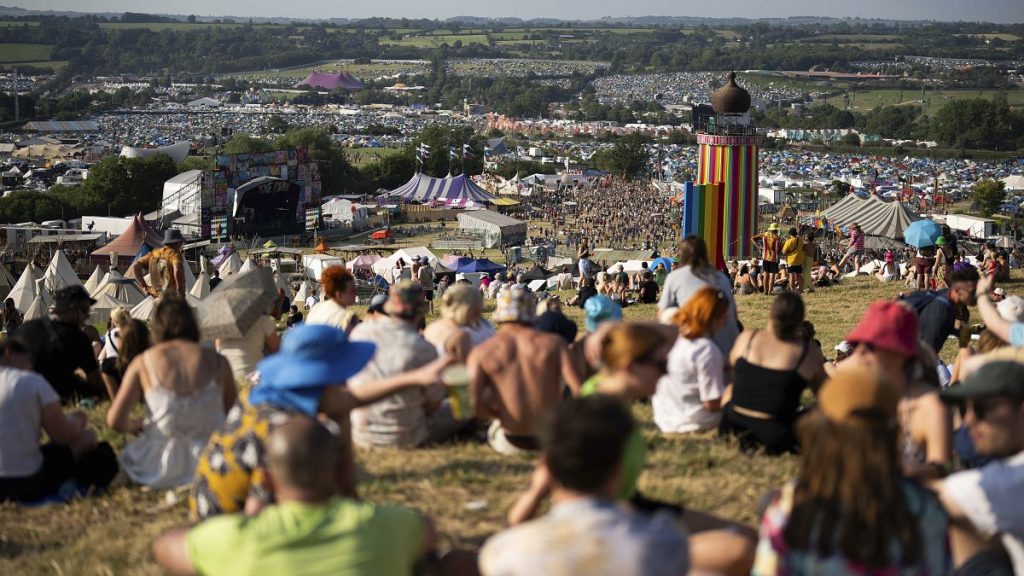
{"type": "Point", "coordinates": [188, 391]}
{"type": "Point", "coordinates": [244, 353]}
{"type": "Point", "coordinates": [119, 318]}
{"type": "Point", "coordinates": [461, 326]}
{"type": "Point", "coordinates": [689, 396]}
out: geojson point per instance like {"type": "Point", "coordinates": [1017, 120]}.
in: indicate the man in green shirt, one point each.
{"type": "Point", "coordinates": [310, 530]}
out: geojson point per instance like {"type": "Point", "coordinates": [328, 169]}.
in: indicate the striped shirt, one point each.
{"type": "Point", "coordinates": [856, 239]}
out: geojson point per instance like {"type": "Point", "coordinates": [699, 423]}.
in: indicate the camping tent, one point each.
{"type": "Point", "coordinates": [127, 245]}
{"type": "Point", "coordinates": [201, 289]}
{"type": "Point", "coordinates": [452, 191]}
{"type": "Point", "coordinates": [6, 282]}
{"type": "Point", "coordinates": [119, 288]}
{"type": "Point", "coordinates": [94, 279]}
{"type": "Point", "coordinates": [1014, 182]}
{"type": "Point", "coordinates": [24, 290]}
{"type": "Point", "coordinates": [882, 221]}
{"type": "Point", "coordinates": [143, 310]}
{"type": "Point", "coordinates": [384, 265]}
{"type": "Point", "coordinates": [59, 274]}
{"type": "Point", "coordinates": [331, 81]}
{"type": "Point", "coordinates": [497, 229]}
{"type": "Point", "coordinates": [105, 304]}
{"type": "Point", "coordinates": [231, 265]}
{"type": "Point", "coordinates": [536, 273]}
{"type": "Point", "coordinates": [301, 294]}
{"type": "Point", "coordinates": [315, 264]}
{"type": "Point", "coordinates": [464, 265]}
{"type": "Point", "coordinates": [362, 262]}
{"type": "Point", "coordinates": [248, 266]}
{"type": "Point", "coordinates": [36, 310]}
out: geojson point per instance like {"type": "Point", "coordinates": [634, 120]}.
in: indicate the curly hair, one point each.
{"type": "Point", "coordinates": [335, 279]}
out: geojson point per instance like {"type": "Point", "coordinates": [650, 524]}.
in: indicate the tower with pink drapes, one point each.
{"type": "Point", "coordinates": [728, 157]}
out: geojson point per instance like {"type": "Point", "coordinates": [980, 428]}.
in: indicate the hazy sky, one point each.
{"type": "Point", "coordinates": [976, 10]}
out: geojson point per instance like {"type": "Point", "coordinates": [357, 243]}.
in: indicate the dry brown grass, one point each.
{"type": "Point", "coordinates": [111, 534]}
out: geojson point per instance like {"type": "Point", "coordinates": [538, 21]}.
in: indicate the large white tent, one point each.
{"type": "Point", "coordinates": [105, 304]}
{"type": "Point", "coordinates": [143, 310]}
{"type": "Point", "coordinates": [59, 274]}
{"type": "Point", "coordinates": [303, 292]}
{"type": "Point", "coordinates": [36, 310]}
{"type": "Point", "coordinates": [384, 265]}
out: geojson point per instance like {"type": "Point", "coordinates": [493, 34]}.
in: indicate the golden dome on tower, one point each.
{"type": "Point", "coordinates": [731, 98]}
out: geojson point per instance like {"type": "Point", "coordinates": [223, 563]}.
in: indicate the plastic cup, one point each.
{"type": "Point", "coordinates": [456, 383]}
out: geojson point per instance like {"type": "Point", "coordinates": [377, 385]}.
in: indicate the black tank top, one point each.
{"type": "Point", "coordinates": [775, 392]}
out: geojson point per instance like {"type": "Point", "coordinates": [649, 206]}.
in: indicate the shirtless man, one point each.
{"type": "Point", "coordinates": [166, 260]}
{"type": "Point", "coordinates": [517, 374]}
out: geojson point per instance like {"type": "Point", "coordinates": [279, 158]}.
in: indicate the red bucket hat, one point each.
{"type": "Point", "coordinates": [887, 325]}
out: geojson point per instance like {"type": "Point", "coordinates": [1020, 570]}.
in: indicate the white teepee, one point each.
{"type": "Point", "coordinates": [231, 265]}
{"type": "Point", "coordinates": [144, 309]}
{"type": "Point", "coordinates": [105, 304]}
{"type": "Point", "coordinates": [190, 278]}
{"type": "Point", "coordinates": [24, 290]}
{"type": "Point", "coordinates": [120, 288]}
{"type": "Point", "coordinates": [201, 289]}
{"type": "Point", "coordinates": [248, 266]}
{"type": "Point", "coordinates": [300, 296]}
{"type": "Point", "coordinates": [42, 293]}
{"type": "Point", "coordinates": [36, 310]}
{"type": "Point", "coordinates": [93, 282]}
{"type": "Point", "coordinates": [59, 274]}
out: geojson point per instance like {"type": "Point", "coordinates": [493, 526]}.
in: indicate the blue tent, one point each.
{"type": "Point", "coordinates": [478, 265]}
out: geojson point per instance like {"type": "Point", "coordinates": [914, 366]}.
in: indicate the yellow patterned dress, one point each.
{"type": "Point", "coordinates": [230, 468]}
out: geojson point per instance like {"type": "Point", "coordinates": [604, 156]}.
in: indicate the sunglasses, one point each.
{"type": "Point", "coordinates": [981, 408]}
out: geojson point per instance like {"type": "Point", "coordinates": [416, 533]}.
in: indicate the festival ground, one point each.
{"type": "Point", "coordinates": [465, 487]}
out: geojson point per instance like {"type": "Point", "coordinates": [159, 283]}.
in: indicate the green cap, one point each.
{"type": "Point", "coordinates": [1000, 378]}
{"type": "Point", "coordinates": [940, 241]}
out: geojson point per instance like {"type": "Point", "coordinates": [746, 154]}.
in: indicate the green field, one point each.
{"type": "Point", "coordinates": [1006, 37]}
{"type": "Point", "coordinates": [25, 52]}
{"type": "Point", "coordinates": [362, 71]}
{"type": "Point", "coordinates": [436, 40]}
{"type": "Point", "coordinates": [362, 157]}
{"type": "Point", "coordinates": [931, 101]}
{"type": "Point", "coordinates": [853, 38]}
{"type": "Point", "coordinates": [55, 65]}
{"type": "Point", "coordinates": [158, 26]}
{"type": "Point", "coordinates": [16, 23]}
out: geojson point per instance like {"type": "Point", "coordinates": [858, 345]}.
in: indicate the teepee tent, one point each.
{"type": "Point", "coordinates": [105, 304]}
{"type": "Point", "coordinates": [6, 282]}
{"type": "Point", "coordinates": [300, 296]}
{"type": "Point", "coordinates": [93, 282]}
{"type": "Point", "coordinates": [190, 278]}
{"type": "Point", "coordinates": [248, 266]}
{"type": "Point", "coordinates": [231, 265]}
{"type": "Point", "coordinates": [201, 288]}
{"type": "Point", "coordinates": [120, 288]}
{"type": "Point", "coordinates": [143, 310]}
{"type": "Point", "coordinates": [59, 274]}
{"type": "Point", "coordinates": [36, 310]}
{"type": "Point", "coordinates": [24, 290]}
{"type": "Point", "coordinates": [43, 293]}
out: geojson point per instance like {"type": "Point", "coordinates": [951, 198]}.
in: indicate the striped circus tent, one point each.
{"type": "Point", "coordinates": [453, 191]}
{"type": "Point", "coordinates": [883, 222]}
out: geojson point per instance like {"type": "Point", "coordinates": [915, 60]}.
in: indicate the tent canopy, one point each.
{"type": "Point", "coordinates": [384, 265]}
{"type": "Point", "coordinates": [454, 190]}
{"type": "Point", "coordinates": [875, 216]}
{"type": "Point", "coordinates": [128, 243]}
{"type": "Point", "coordinates": [478, 265]}
{"type": "Point", "coordinates": [331, 81]}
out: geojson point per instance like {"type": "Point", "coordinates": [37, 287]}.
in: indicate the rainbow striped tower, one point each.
{"type": "Point", "coordinates": [728, 156]}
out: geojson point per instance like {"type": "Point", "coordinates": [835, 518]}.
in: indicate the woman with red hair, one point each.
{"type": "Point", "coordinates": [689, 396]}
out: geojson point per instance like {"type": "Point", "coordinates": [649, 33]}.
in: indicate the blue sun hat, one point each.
{"type": "Point", "coordinates": [312, 357]}
{"type": "Point", "coordinates": [600, 309]}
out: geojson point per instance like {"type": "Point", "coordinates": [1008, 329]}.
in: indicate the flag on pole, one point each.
{"type": "Point", "coordinates": [452, 155]}
{"type": "Point", "coordinates": [423, 152]}
{"type": "Point", "coordinates": [466, 152]}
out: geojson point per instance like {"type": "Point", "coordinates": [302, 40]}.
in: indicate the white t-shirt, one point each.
{"type": "Point", "coordinates": [591, 537]}
{"type": "Point", "coordinates": [330, 313]}
{"type": "Point", "coordinates": [696, 374]}
{"type": "Point", "coordinates": [990, 497]}
{"type": "Point", "coordinates": [311, 301]}
{"type": "Point", "coordinates": [243, 353]}
{"type": "Point", "coordinates": [22, 397]}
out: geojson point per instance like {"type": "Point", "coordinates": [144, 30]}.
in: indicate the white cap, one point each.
{"type": "Point", "coordinates": [844, 347]}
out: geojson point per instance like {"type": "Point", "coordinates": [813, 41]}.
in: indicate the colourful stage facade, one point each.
{"type": "Point", "coordinates": [731, 161]}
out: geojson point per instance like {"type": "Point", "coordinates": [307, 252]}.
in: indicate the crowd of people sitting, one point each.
{"type": "Point", "coordinates": [904, 465]}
